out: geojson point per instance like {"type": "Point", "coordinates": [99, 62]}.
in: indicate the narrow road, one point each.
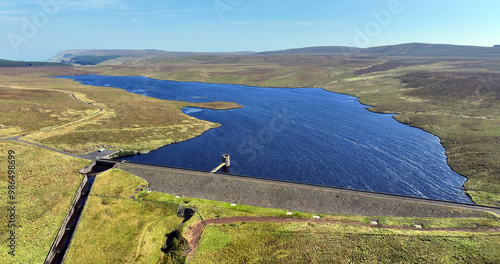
{"type": "Point", "coordinates": [88, 156]}
{"type": "Point", "coordinates": [100, 110]}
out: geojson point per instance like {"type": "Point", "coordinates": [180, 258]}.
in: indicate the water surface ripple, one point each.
{"type": "Point", "coordinates": [303, 135]}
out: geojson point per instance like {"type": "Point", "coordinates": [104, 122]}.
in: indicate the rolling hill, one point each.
{"type": "Point", "coordinates": [117, 56]}
{"type": "Point", "coordinates": [411, 49]}
{"type": "Point", "coordinates": [96, 56]}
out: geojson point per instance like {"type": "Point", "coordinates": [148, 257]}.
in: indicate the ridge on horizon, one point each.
{"type": "Point", "coordinates": [414, 48]}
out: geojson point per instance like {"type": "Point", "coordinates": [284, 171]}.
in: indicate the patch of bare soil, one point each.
{"type": "Point", "coordinates": [193, 235]}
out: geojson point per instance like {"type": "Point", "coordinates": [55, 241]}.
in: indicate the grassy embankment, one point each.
{"type": "Point", "coordinates": [456, 99]}
{"type": "Point", "coordinates": [247, 242]}
{"type": "Point", "coordinates": [127, 121]}
{"type": "Point", "coordinates": [45, 184]}
{"type": "Point", "coordinates": [123, 224]}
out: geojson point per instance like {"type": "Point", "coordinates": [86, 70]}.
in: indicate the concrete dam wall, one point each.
{"type": "Point", "coordinates": [294, 196]}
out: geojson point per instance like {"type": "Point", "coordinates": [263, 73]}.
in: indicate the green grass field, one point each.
{"type": "Point", "coordinates": [117, 229]}
{"type": "Point", "coordinates": [123, 223]}
{"type": "Point", "coordinates": [248, 242]}
{"type": "Point", "coordinates": [45, 185]}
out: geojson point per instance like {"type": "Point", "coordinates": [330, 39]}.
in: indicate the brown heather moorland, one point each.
{"type": "Point", "coordinates": [78, 119]}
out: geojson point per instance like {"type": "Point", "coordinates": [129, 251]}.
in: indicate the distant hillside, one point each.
{"type": "Point", "coordinates": [9, 63]}
{"type": "Point", "coordinates": [92, 60]}
{"type": "Point", "coordinates": [323, 50]}
{"type": "Point", "coordinates": [412, 49]}
{"type": "Point", "coordinates": [432, 49]}
{"type": "Point", "coordinates": [92, 57]}
{"type": "Point", "coordinates": [113, 57]}
{"type": "Point", "coordinates": [69, 55]}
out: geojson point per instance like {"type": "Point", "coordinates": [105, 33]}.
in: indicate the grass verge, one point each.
{"type": "Point", "coordinates": [247, 242]}
{"type": "Point", "coordinates": [118, 227]}
{"type": "Point", "coordinates": [45, 184]}
{"type": "Point", "coordinates": [123, 222]}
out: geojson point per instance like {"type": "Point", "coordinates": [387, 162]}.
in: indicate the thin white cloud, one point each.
{"type": "Point", "coordinates": [90, 4]}
{"type": "Point", "coordinates": [242, 23]}
{"type": "Point", "coordinates": [13, 12]}
{"type": "Point", "coordinates": [302, 23]}
{"type": "Point", "coordinates": [159, 13]}
{"type": "Point", "coordinates": [10, 21]}
{"type": "Point", "coordinates": [200, 28]}
{"type": "Point", "coordinates": [284, 23]}
{"type": "Point", "coordinates": [11, 16]}
{"type": "Point", "coordinates": [19, 5]}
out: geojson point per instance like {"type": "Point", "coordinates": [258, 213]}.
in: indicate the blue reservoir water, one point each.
{"type": "Point", "coordinates": [303, 135]}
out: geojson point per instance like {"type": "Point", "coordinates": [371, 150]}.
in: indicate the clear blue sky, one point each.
{"type": "Point", "coordinates": [37, 30]}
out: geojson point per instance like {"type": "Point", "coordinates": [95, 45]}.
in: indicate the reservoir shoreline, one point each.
{"type": "Point", "coordinates": [317, 96]}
